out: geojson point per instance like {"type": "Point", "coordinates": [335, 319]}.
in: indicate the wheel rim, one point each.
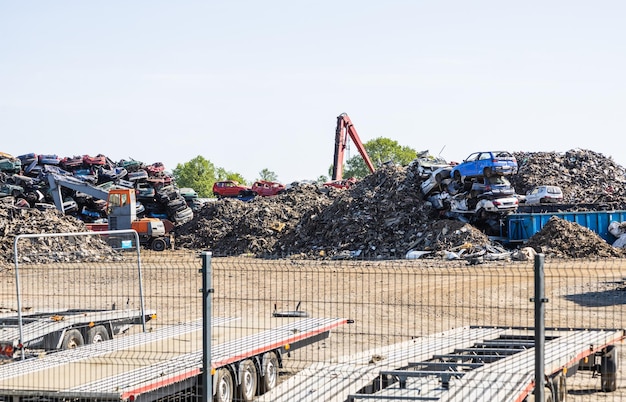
{"type": "Point", "coordinates": [248, 381]}
{"type": "Point", "coordinates": [224, 389]}
{"type": "Point", "coordinates": [271, 374]}
{"type": "Point", "coordinates": [72, 343]}
{"type": "Point", "coordinates": [248, 384]}
{"type": "Point", "coordinates": [97, 338]}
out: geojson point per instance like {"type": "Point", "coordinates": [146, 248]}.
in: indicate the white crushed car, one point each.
{"type": "Point", "coordinates": [544, 194]}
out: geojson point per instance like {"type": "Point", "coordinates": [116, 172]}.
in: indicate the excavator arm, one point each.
{"type": "Point", "coordinates": [344, 129]}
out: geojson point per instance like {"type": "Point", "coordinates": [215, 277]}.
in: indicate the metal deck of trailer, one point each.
{"type": "Point", "coordinates": [469, 363]}
{"type": "Point", "coordinates": [37, 325]}
{"type": "Point", "coordinates": [136, 366]}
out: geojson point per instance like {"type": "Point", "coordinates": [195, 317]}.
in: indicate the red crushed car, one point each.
{"type": "Point", "coordinates": [230, 188]}
{"type": "Point", "coordinates": [345, 183]}
{"type": "Point", "coordinates": [267, 188]}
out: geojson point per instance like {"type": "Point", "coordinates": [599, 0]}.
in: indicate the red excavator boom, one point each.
{"type": "Point", "coordinates": [345, 128]}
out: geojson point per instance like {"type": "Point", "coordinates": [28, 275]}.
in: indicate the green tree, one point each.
{"type": "Point", "coordinates": [380, 150]}
{"type": "Point", "coordinates": [223, 174]}
{"type": "Point", "coordinates": [200, 174]}
{"type": "Point", "coordinates": [268, 175]}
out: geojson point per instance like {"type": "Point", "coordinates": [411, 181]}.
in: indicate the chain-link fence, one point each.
{"type": "Point", "coordinates": [309, 330]}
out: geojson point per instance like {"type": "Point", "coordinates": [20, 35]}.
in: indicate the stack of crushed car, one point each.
{"type": "Point", "coordinates": [22, 180]}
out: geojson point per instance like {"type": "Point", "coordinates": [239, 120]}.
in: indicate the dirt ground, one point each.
{"type": "Point", "coordinates": [389, 301]}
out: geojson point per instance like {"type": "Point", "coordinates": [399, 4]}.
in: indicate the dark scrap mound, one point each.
{"type": "Point", "coordinates": [561, 238]}
{"type": "Point", "coordinates": [17, 221]}
{"type": "Point", "coordinates": [381, 216]}
{"type": "Point", "coordinates": [231, 227]}
{"type": "Point", "coordinates": [450, 235]}
{"type": "Point", "coordinates": [584, 176]}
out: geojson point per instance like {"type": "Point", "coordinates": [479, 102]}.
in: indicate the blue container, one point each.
{"type": "Point", "coordinates": [520, 227]}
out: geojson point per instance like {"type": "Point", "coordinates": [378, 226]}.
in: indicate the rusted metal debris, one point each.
{"type": "Point", "coordinates": [383, 216]}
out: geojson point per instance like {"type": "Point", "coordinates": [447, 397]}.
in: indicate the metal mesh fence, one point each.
{"type": "Point", "coordinates": [393, 322]}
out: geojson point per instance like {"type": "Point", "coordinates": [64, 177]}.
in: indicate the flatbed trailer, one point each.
{"type": "Point", "coordinates": [64, 329]}
{"type": "Point", "coordinates": [244, 365]}
{"type": "Point", "coordinates": [465, 364]}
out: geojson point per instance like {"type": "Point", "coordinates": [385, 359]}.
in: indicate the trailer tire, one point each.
{"type": "Point", "coordinates": [269, 371]}
{"type": "Point", "coordinates": [97, 334]}
{"type": "Point", "coordinates": [608, 369]}
{"type": "Point", "coordinates": [159, 244]}
{"type": "Point", "coordinates": [72, 339]}
{"type": "Point", "coordinates": [249, 380]}
{"type": "Point", "coordinates": [224, 386]}
{"type": "Point", "coordinates": [559, 384]}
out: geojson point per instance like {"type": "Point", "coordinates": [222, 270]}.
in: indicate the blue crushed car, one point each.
{"type": "Point", "coordinates": [486, 164]}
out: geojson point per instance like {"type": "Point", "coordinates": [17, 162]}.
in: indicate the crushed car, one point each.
{"type": "Point", "coordinates": [267, 188]}
{"type": "Point", "coordinates": [230, 188]}
{"type": "Point", "coordinates": [544, 194]}
{"type": "Point", "coordinates": [485, 163]}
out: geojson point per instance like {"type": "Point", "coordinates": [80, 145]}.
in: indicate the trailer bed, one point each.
{"type": "Point", "coordinates": [469, 363]}
{"type": "Point", "coordinates": [133, 367]}
{"type": "Point", "coordinates": [39, 324]}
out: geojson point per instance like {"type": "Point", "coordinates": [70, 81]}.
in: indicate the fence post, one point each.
{"type": "Point", "coordinates": [207, 291]}
{"type": "Point", "coordinates": [540, 328]}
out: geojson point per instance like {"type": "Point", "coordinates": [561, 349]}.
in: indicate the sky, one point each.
{"type": "Point", "coordinates": [253, 85]}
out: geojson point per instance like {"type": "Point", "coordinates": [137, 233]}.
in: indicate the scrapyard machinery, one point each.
{"type": "Point", "coordinates": [344, 129]}
{"type": "Point", "coordinates": [121, 210]}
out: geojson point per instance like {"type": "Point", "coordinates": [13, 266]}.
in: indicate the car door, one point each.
{"type": "Point", "coordinates": [471, 165]}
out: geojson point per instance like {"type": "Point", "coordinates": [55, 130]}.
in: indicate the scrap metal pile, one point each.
{"type": "Point", "coordinates": [24, 179]}
{"type": "Point", "coordinates": [385, 216]}
{"type": "Point", "coordinates": [585, 176]}
{"type": "Point", "coordinates": [16, 221]}
{"type": "Point", "coordinates": [382, 216]}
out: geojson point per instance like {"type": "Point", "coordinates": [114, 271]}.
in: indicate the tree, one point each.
{"type": "Point", "coordinates": [380, 150]}
{"type": "Point", "coordinates": [200, 174]}
{"type": "Point", "coordinates": [268, 175]}
{"type": "Point", "coordinates": [223, 174]}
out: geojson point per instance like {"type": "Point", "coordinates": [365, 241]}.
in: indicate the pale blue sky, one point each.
{"type": "Point", "coordinates": [258, 84]}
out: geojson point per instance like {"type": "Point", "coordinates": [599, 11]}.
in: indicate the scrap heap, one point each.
{"type": "Point", "coordinates": [584, 176]}
{"type": "Point", "coordinates": [561, 238]}
{"type": "Point", "coordinates": [16, 221]}
{"type": "Point", "coordinates": [383, 216]}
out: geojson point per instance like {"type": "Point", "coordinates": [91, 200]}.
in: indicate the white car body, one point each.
{"type": "Point", "coordinates": [502, 204]}
{"type": "Point", "coordinates": [544, 194]}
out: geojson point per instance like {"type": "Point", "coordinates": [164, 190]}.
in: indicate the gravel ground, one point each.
{"type": "Point", "coordinates": [390, 301]}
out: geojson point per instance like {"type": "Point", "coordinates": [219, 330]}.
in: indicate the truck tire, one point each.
{"type": "Point", "coordinates": [608, 369]}
{"type": "Point", "coordinates": [159, 244]}
{"type": "Point", "coordinates": [269, 372]}
{"type": "Point", "coordinates": [97, 334]}
{"type": "Point", "coordinates": [224, 386]}
{"type": "Point", "coordinates": [249, 380]}
{"type": "Point", "coordinates": [72, 339]}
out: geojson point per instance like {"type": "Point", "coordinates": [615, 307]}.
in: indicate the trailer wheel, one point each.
{"type": "Point", "coordinates": [608, 369]}
{"type": "Point", "coordinates": [159, 244]}
{"type": "Point", "coordinates": [249, 380]}
{"type": "Point", "coordinates": [559, 384]}
{"type": "Point", "coordinates": [224, 389]}
{"type": "Point", "coordinates": [72, 339]}
{"type": "Point", "coordinates": [269, 371]}
{"type": "Point", "coordinates": [97, 334]}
